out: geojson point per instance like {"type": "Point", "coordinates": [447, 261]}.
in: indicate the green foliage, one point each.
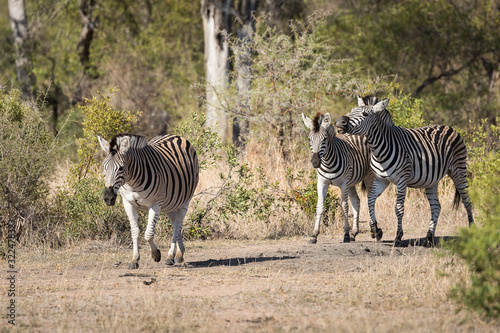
{"type": "Point", "coordinates": [406, 111]}
{"type": "Point", "coordinates": [205, 140]}
{"type": "Point", "coordinates": [26, 160]}
{"type": "Point", "coordinates": [481, 138]}
{"type": "Point", "coordinates": [87, 216]}
{"type": "Point", "coordinates": [307, 197]}
{"type": "Point", "coordinates": [438, 49]}
{"type": "Point", "coordinates": [479, 246]}
{"type": "Point", "coordinates": [100, 118]}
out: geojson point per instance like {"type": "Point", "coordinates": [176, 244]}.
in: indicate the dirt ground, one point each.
{"type": "Point", "coordinates": [284, 285]}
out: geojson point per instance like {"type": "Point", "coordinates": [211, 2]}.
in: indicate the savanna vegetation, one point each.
{"type": "Point", "coordinates": [102, 67]}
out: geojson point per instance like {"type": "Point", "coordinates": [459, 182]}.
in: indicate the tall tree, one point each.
{"type": "Point", "coordinates": [243, 64]}
{"type": "Point", "coordinates": [24, 65]}
{"type": "Point", "coordinates": [89, 24]}
{"type": "Point", "coordinates": [217, 17]}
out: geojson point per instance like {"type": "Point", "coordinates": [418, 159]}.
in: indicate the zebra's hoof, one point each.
{"type": "Point", "coordinates": [313, 240]}
{"type": "Point", "coordinates": [378, 234]}
{"type": "Point", "coordinates": [169, 262]}
{"type": "Point", "coordinates": [347, 238]}
{"type": "Point", "coordinates": [156, 255]}
{"type": "Point", "coordinates": [429, 240]}
{"type": "Point", "coordinates": [133, 265]}
{"type": "Point", "coordinates": [353, 236]}
{"type": "Point", "coordinates": [179, 260]}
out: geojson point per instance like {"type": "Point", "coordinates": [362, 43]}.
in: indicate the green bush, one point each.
{"type": "Point", "coordinates": [406, 111]}
{"type": "Point", "coordinates": [479, 245]}
{"type": "Point", "coordinates": [307, 197]}
{"type": "Point", "coordinates": [26, 160]}
{"type": "Point", "coordinates": [86, 214]}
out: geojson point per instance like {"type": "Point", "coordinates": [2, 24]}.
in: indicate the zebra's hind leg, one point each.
{"type": "Point", "coordinates": [432, 197]}
{"type": "Point", "coordinates": [133, 216]}
{"type": "Point", "coordinates": [353, 196]}
{"type": "Point", "coordinates": [154, 214]}
{"type": "Point", "coordinates": [176, 251]}
{"type": "Point", "coordinates": [460, 182]}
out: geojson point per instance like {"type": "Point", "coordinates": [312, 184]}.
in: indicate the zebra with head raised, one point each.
{"type": "Point", "coordinates": [158, 176]}
{"type": "Point", "coordinates": [416, 158]}
{"type": "Point", "coordinates": [343, 162]}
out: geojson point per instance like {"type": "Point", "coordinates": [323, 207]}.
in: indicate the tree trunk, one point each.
{"type": "Point", "coordinates": [216, 18]}
{"type": "Point", "coordinates": [24, 65]}
{"type": "Point", "coordinates": [243, 64]}
{"type": "Point", "coordinates": [83, 47]}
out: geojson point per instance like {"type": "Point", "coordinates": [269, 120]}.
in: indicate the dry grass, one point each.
{"type": "Point", "coordinates": [286, 285]}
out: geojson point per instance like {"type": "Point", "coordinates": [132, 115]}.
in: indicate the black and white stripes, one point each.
{"type": "Point", "coordinates": [416, 158]}
{"type": "Point", "coordinates": [159, 176]}
{"type": "Point", "coordinates": [340, 162]}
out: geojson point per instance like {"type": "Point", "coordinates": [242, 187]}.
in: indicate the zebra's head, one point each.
{"type": "Point", "coordinates": [115, 166]}
{"type": "Point", "coordinates": [359, 120]}
{"type": "Point", "coordinates": [321, 130]}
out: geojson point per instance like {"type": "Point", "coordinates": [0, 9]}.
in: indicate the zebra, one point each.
{"type": "Point", "coordinates": [159, 176]}
{"type": "Point", "coordinates": [415, 158]}
{"type": "Point", "coordinates": [343, 162]}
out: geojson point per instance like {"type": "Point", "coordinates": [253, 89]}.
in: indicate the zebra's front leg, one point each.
{"type": "Point", "coordinates": [378, 187]}
{"type": "Point", "coordinates": [322, 188]}
{"type": "Point", "coordinates": [154, 214]}
{"type": "Point", "coordinates": [133, 216]}
{"type": "Point", "coordinates": [345, 210]}
{"type": "Point", "coordinates": [353, 196]}
{"type": "Point", "coordinates": [432, 196]}
{"type": "Point", "coordinates": [176, 251]}
{"type": "Point", "coordinates": [400, 209]}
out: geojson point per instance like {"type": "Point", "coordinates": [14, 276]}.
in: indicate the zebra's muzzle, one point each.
{"type": "Point", "coordinates": [342, 124]}
{"type": "Point", "coordinates": [315, 160]}
{"type": "Point", "coordinates": [109, 196]}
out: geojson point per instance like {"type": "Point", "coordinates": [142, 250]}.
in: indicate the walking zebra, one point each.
{"type": "Point", "coordinates": [159, 176]}
{"type": "Point", "coordinates": [340, 162]}
{"type": "Point", "coordinates": [416, 158]}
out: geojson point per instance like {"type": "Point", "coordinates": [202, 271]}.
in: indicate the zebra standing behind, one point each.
{"type": "Point", "coordinates": [416, 158]}
{"type": "Point", "coordinates": [340, 162]}
{"type": "Point", "coordinates": [158, 176]}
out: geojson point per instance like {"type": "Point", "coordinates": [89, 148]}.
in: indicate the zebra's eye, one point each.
{"type": "Point", "coordinates": [365, 113]}
{"type": "Point", "coordinates": [120, 169]}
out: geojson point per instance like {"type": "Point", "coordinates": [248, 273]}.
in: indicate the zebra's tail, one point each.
{"type": "Point", "coordinates": [456, 200]}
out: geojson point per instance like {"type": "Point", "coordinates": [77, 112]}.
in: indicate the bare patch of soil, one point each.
{"type": "Point", "coordinates": [237, 286]}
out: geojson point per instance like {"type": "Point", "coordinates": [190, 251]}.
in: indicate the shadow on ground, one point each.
{"type": "Point", "coordinates": [438, 242]}
{"type": "Point", "coordinates": [235, 261]}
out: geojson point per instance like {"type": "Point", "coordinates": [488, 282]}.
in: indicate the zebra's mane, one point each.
{"type": "Point", "coordinates": [136, 141]}
{"type": "Point", "coordinates": [318, 117]}
{"type": "Point", "coordinates": [370, 100]}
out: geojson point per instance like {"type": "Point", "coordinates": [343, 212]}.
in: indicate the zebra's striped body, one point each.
{"type": "Point", "coordinates": [159, 176]}
{"type": "Point", "coordinates": [342, 162]}
{"type": "Point", "coordinates": [416, 158]}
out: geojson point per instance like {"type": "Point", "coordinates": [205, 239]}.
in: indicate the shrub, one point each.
{"type": "Point", "coordinates": [26, 160]}
{"type": "Point", "coordinates": [479, 245]}
{"type": "Point", "coordinates": [86, 213]}
{"type": "Point", "coordinates": [406, 111]}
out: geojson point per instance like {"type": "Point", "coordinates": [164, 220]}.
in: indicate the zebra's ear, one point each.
{"type": "Point", "coordinates": [380, 106]}
{"type": "Point", "coordinates": [307, 121]}
{"type": "Point", "coordinates": [360, 101]}
{"type": "Point", "coordinates": [123, 144]}
{"type": "Point", "coordinates": [103, 143]}
{"type": "Point", "coordinates": [327, 121]}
